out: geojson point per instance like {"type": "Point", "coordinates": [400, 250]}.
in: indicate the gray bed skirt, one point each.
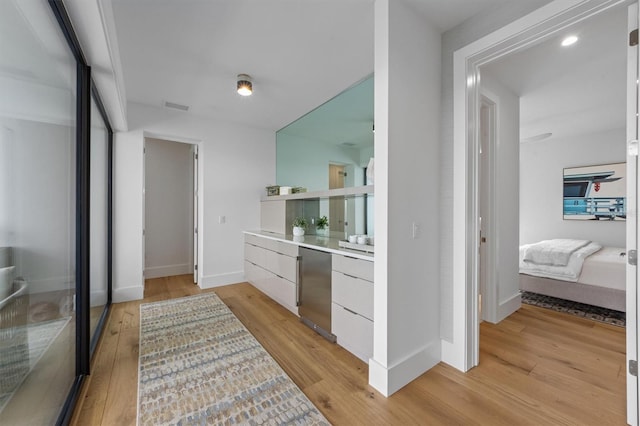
{"type": "Point", "coordinates": [583, 293]}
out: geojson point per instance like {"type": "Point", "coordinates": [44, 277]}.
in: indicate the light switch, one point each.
{"type": "Point", "coordinates": [222, 219]}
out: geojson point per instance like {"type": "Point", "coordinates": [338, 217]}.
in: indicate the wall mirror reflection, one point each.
{"type": "Point", "coordinates": [331, 146]}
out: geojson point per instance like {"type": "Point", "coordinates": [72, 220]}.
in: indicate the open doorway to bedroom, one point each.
{"type": "Point", "coordinates": [556, 117]}
{"type": "Point", "coordinates": [170, 208]}
{"type": "Point", "coordinates": [548, 115]}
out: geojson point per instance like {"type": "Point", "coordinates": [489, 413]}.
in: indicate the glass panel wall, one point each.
{"type": "Point", "coordinates": [98, 217]}
{"type": "Point", "coordinates": [37, 215]}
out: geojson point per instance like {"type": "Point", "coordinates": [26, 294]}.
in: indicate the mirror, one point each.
{"type": "Point", "coordinates": [330, 147]}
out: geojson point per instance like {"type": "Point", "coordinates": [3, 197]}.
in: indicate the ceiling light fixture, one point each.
{"type": "Point", "coordinates": [568, 41]}
{"type": "Point", "coordinates": [245, 88]}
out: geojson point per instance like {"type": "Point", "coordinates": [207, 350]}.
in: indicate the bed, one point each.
{"type": "Point", "coordinates": [596, 276]}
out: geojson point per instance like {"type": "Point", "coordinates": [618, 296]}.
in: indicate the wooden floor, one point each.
{"type": "Point", "coordinates": [537, 367]}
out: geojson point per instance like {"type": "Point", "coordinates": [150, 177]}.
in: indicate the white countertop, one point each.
{"type": "Point", "coordinates": [314, 242]}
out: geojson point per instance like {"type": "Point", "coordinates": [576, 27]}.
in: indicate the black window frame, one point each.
{"type": "Point", "coordinates": [86, 89]}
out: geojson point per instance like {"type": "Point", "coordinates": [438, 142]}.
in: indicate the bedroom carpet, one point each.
{"type": "Point", "coordinates": [199, 365]}
{"type": "Point", "coordinates": [595, 313]}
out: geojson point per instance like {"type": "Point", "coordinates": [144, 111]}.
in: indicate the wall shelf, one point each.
{"type": "Point", "coordinates": [340, 192]}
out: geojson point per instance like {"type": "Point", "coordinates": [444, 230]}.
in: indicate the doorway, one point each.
{"type": "Point", "coordinates": [547, 21]}
{"type": "Point", "coordinates": [170, 208]}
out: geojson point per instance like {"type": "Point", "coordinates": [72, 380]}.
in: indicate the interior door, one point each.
{"type": "Point", "coordinates": [483, 205]}
{"type": "Point", "coordinates": [194, 149]}
{"type": "Point", "coordinates": [633, 122]}
{"type": "Point", "coordinates": [336, 204]}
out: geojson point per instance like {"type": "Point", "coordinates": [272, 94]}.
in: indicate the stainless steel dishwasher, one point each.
{"type": "Point", "coordinates": [314, 297]}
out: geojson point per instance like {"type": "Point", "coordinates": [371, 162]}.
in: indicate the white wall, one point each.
{"type": "Point", "coordinates": [406, 302]}
{"type": "Point", "coordinates": [237, 163]}
{"type": "Point", "coordinates": [452, 40]}
{"type": "Point", "coordinates": [168, 208]}
{"type": "Point", "coordinates": [504, 285]}
{"type": "Point", "coordinates": [541, 189]}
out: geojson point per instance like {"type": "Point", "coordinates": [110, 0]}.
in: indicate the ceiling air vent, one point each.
{"type": "Point", "coordinates": [174, 105]}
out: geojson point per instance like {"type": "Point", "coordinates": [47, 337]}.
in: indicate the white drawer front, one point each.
{"type": "Point", "coordinates": [352, 266]}
{"type": "Point", "coordinates": [352, 293]}
{"type": "Point", "coordinates": [254, 254]}
{"type": "Point", "coordinates": [251, 272]}
{"type": "Point", "coordinates": [277, 288]}
{"type": "Point", "coordinates": [280, 290]}
{"type": "Point", "coordinates": [353, 332]}
{"type": "Point", "coordinates": [281, 265]}
{"type": "Point", "coordinates": [288, 249]}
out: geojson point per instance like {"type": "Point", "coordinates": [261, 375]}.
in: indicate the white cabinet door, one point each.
{"type": "Point", "coordinates": [354, 332]}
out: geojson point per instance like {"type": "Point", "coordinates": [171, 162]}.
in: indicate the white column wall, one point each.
{"type": "Point", "coordinates": [406, 301]}
{"type": "Point", "coordinates": [128, 282]}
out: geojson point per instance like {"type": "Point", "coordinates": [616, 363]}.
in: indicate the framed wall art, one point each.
{"type": "Point", "coordinates": [595, 192]}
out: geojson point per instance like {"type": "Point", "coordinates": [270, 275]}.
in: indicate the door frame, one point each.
{"type": "Point", "coordinates": [462, 351]}
{"type": "Point", "coordinates": [198, 247]}
{"type": "Point", "coordinates": [633, 121]}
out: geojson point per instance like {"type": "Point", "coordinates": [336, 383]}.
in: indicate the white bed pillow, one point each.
{"type": "Point", "coordinates": [6, 281]}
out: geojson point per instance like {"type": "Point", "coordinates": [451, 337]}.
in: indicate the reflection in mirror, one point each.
{"type": "Point", "coordinates": [37, 215]}
{"type": "Point", "coordinates": [347, 215]}
{"type": "Point", "coordinates": [331, 146]}
{"type": "Point", "coordinates": [98, 237]}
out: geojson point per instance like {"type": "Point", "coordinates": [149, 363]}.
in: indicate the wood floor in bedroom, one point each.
{"type": "Point", "coordinates": [536, 367]}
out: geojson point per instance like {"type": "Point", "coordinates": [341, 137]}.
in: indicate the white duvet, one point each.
{"type": "Point", "coordinates": [553, 252]}
{"type": "Point", "coordinates": [570, 272]}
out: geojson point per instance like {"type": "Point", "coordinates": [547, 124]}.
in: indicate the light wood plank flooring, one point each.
{"type": "Point", "coordinates": [537, 367]}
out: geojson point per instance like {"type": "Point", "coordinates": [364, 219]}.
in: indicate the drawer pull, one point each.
{"type": "Point", "coordinates": [351, 276]}
{"type": "Point", "coordinates": [349, 310]}
{"type": "Point", "coordinates": [351, 257]}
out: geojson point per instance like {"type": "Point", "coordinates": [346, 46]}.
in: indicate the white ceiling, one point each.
{"type": "Point", "coordinates": [299, 53]}
{"type": "Point", "coordinates": [570, 90]}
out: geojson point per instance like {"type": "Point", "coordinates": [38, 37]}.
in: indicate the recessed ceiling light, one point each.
{"type": "Point", "coordinates": [568, 41]}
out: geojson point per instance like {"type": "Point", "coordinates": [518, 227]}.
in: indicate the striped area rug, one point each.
{"type": "Point", "coordinates": [199, 365]}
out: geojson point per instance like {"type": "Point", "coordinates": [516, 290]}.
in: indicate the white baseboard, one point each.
{"type": "Point", "coordinates": [453, 355]}
{"type": "Point", "coordinates": [211, 281]}
{"type": "Point", "coordinates": [127, 294]}
{"type": "Point", "coordinates": [388, 380]}
{"type": "Point", "coordinates": [509, 306]}
{"type": "Point", "coordinates": [167, 270]}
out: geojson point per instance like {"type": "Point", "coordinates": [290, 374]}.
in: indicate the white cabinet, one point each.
{"type": "Point", "coordinates": [272, 267]}
{"type": "Point", "coordinates": [352, 305]}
